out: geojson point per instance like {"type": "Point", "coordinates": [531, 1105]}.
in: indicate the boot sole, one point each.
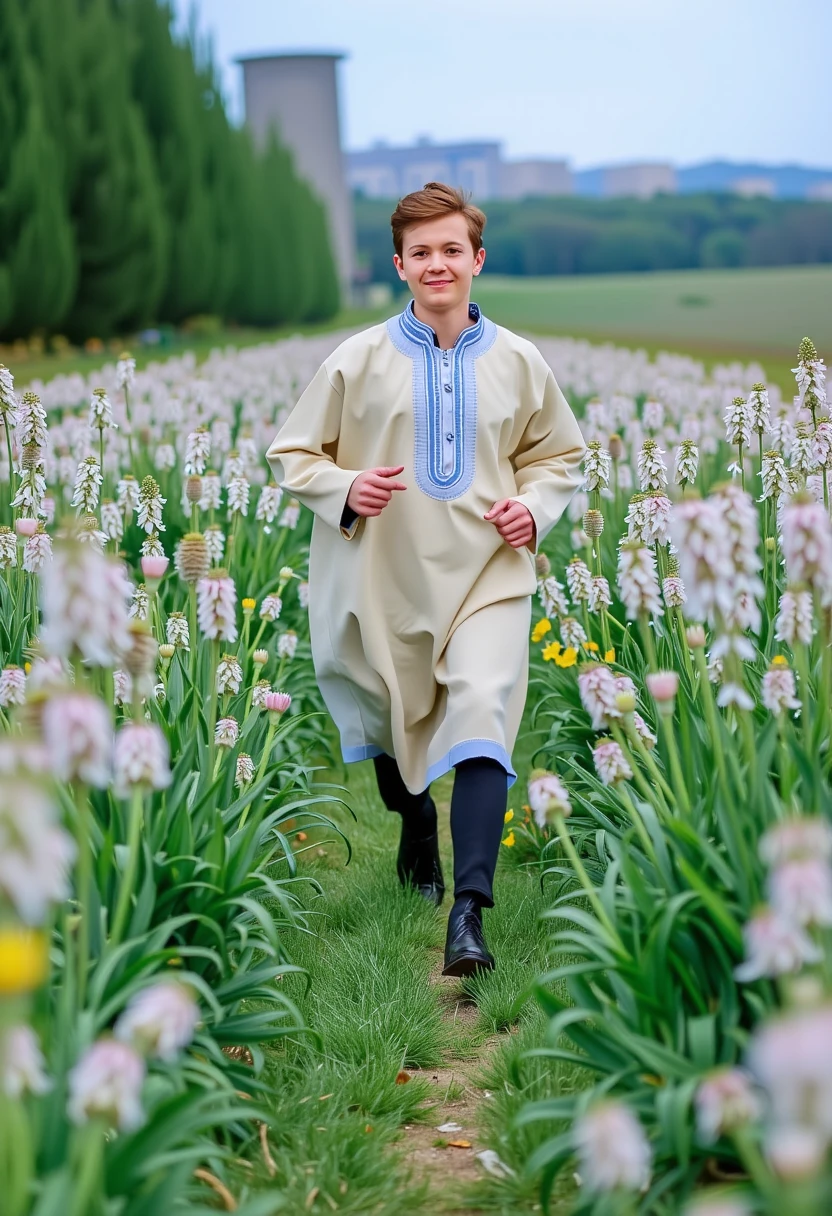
{"type": "Point", "coordinates": [467, 965]}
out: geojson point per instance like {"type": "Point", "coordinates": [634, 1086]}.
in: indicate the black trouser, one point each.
{"type": "Point", "coordinates": [478, 809]}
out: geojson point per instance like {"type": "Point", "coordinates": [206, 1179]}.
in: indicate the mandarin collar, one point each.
{"type": "Point", "coordinates": [425, 334]}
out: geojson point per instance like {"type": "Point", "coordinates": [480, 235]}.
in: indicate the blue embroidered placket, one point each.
{"type": "Point", "coordinates": [444, 399]}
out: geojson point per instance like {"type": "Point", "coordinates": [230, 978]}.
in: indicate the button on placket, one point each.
{"type": "Point", "coordinates": [447, 415]}
{"type": "Point", "coordinates": [444, 422]}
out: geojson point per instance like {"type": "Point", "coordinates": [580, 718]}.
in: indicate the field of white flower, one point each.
{"type": "Point", "coordinates": [158, 706]}
{"type": "Point", "coordinates": [683, 800]}
{"type": "Point", "coordinates": [154, 729]}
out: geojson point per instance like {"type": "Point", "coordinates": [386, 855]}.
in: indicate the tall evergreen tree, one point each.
{"type": "Point", "coordinates": [173, 98]}
{"type": "Point", "coordinates": [326, 294]}
{"type": "Point", "coordinates": [126, 195]}
{"type": "Point", "coordinates": [116, 205]}
{"type": "Point", "coordinates": [265, 286]}
{"type": "Point", "coordinates": [37, 256]}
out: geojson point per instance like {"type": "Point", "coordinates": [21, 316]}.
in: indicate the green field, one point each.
{"type": "Point", "coordinates": [716, 314]}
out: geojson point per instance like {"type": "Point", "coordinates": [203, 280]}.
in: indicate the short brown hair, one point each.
{"type": "Point", "coordinates": [435, 201]}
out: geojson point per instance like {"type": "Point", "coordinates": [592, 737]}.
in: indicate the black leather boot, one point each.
{"type": "Point", "coordinates": [418, 863]}
{"type": "Point", "coordinates": [465, 948]}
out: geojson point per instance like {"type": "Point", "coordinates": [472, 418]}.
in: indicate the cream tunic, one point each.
{"type": "Point", "coordinates": [419, 617]}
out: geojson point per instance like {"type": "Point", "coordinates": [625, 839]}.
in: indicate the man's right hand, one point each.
{"type": "Point", "coordinates": [372, 490]}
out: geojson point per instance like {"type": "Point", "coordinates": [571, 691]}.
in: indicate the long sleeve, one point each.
{"type": "Point", "coordinates": [547, 461]}
{"type": "Point", "coordinates": [302, 456]}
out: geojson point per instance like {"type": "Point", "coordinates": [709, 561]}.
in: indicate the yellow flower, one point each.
{"type": "Point", "coordinates": [551, 651]}
{"type": "Point", "coordinates": [590, 645]}
{"type": "Point", "coordinates": [609, 655]}
{"type": "Point", "coordinates": [509, 840]}
{"type": "Point", "coordinates": [249, 605]}
{"type": "Point", "coordinates": [24, 959]}
{"type": "Point", "coordinates": [779, 660]}
{"type": "Point", "coordinates": [541, 628]}
{"type": "Point", "coordinates": [509, 815]}
{"type": "Point", "coordinates": [27, 667]}
{"type": "Point", "coordinates": [568, 658]}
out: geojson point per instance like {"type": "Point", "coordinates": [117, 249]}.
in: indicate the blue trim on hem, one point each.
{"type": "Point", "coordinates": [468, 750]}
{"type": "Point", "coordinates": [364, 751]}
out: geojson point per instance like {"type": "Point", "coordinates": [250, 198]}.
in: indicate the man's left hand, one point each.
{"type": "Point", "coordinates": [513, 521]}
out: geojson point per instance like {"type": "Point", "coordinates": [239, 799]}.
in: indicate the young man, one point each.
{"type": "Point", "coordinates": [436, 452]}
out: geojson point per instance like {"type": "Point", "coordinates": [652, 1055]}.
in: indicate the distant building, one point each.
{"type": "Point", "coordinates": [535, 178]}
{"type": "Point", "coordinates": [388, 172]}
{"type": "Point", "coordinates": [298, 96]}
{"type": "Point", "coordinates": [639, 180]}
{"type": "Point", "coordinates": [754, 187]}
{"type": "Point", "coordinates": [821, 192]}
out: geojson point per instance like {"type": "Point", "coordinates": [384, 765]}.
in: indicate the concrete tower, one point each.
{"type": "Point", "coordinates": [298, 95]}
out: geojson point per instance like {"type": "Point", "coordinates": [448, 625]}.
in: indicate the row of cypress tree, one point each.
{"type": "Point", "coordinates": [126, 195]}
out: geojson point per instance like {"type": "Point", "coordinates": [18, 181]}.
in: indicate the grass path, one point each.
{"type": "Point", "coordinates": [404, 1051]}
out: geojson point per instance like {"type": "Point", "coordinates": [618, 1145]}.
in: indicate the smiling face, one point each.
{"type": "Point", "coordinates": [438, 262]}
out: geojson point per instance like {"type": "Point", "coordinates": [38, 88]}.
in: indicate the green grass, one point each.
{"type": "Point", "coordinates": [538, 1079]}
{"type": "Point", "coordinates": [368, 949]}
{"type": "Point", "coordinates": [715, 315]}
{"type": "Point", "coordinates": [337, 1105]}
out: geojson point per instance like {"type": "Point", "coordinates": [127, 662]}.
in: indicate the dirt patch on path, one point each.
{"type": "Point", "coordinates": [456, 1097]}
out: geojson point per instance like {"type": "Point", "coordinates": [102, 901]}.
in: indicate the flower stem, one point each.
{"type": "Point", "coordinates": [83, 882]}
{"type": "Point", "coordinates": [212, 702]}
{"type": "Point", "coordinates": [274, 718]}
{"type": "Point", "coordinates": [785, 762]}
{"type": "Point", "coordinates": [605, 630]}
{"type": "Point", "coordinates": [192, 642]}
{"type": "Point", "coordinates": [128, 878]}
{"type": "Point", "coordinates": [649, 795]}
{"type": "Point", "coordinates": [583, 878]}
{"type": "Point", "coordinates": [101, 459]}
{"type": "Point", "coordinates": [647, 638]}
{"type": "Point", "coordinates": [267, 746]}
{"type": "Point", "coordinates": [669, 735]}
{"type": "Point", "coordinates": [88, 1174]}
{"type": "Point", "coordinates": [255, 676]}
{"type": "Point", "coordinates": [801, 662]}
{"type": "Point", "coordinates": [662, 788]}
{"type": "Point", "coordinates": [587, 626]}
{"type": "Point", "coordinates": [712, 718]}
{"type": "Point", "coordinates": [643, 835]}
{"type": "Point", "coordinates": [752, 1159]}
{"type": "Point", "coordinates": [11, 467]}
{"type": "Point", "coordinates": [683, 643]}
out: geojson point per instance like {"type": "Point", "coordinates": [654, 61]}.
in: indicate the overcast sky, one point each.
{"type": "Point", "coordinates": [592, 80]}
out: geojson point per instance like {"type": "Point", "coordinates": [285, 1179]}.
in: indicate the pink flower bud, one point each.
{"type": "Point", "coordinates": [154, 567]}
{"type": "Point", "coordinates": [277, 702]}
{"type": "Point", "coordinates": [25, 527]}
{"type": "Point", "coordinates": [695, 636]}
{"type": "Point", "coordinates": [663, 685]}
